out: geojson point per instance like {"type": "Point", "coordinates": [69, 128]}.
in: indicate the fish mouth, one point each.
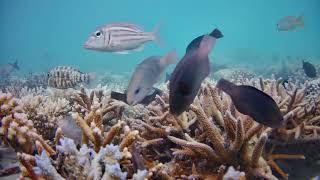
{"type": "Point", "coordinates": [86, 46]}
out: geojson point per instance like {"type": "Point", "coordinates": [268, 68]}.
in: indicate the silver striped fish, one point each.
{"type": "Point", "coordinates": [63, 77]}
{"type": "Point", "coordinates": [120, 38]}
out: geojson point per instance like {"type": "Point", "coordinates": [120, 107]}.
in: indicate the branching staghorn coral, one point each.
{"type": "Point", "coordinates": [16, 129]}
{"type": "Point", "coordinates": [45, 112]}
{"type": "Point", "coordinates": [211, 140]}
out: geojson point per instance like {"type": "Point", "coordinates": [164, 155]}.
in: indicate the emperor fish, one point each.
{"type": "Point", "coordinates": [63, 77]}
{"type": "Point", "coordinates": [188, 75]}
{"type": "Point", "coordinates": [120, 38]}
{"type": "Point", "coordinates": [146, 74]}
{"type": "Point", "coordinates": [252, 102]}
{"type": "Point", "coordinates": [290, 23]}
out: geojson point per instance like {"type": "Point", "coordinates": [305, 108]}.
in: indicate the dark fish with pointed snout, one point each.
{"type": "Point", "coordinates": [309, 69]}
{"type": "Point", "coordinates": [188, 75]}
{"type": "Point", "coordinates": [145, 101]}
{"type": "Point", "coordinates": [252, 102]}
{"type": "Point", "coordinates": [194, 44]}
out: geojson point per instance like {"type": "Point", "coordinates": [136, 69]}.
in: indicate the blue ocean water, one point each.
{"type": "Point", "coordinates": [44, 33]}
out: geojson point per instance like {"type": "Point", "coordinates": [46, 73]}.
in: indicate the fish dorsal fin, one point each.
{"type": "Point", "coordinates": [169, 58]}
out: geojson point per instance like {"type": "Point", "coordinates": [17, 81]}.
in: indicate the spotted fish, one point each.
{"type": "Point", "coordinates": [63, 77]}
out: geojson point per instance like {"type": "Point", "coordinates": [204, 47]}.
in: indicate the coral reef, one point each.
{"type": "Point", "coordinates": [211, 140]}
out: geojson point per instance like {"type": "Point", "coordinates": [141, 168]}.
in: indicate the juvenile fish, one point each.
{"type": "Point", "coordinates": [290, 23]}
{"type": "Point", "coordinates": [119, 38]}
{"type": "Point", "coordinates": [7, 69]}
{"type": "Point", "coordinates": [194, 44]}
{"type": "Point", "coordinates": [188, 75]}
{"type": "Point", "coordinates": [309, 69]}
{"type": "Point", "coordinates": [254, 103]}
{"type": "Point", "coordinates": [146, 74]}
{"type": "Point", "coordinates": [63, 77]}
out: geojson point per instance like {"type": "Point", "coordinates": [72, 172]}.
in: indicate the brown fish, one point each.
{"type": "Point", "coordinates": [188, 75]}
{"type": "Point", "coordinates": [254, 103]}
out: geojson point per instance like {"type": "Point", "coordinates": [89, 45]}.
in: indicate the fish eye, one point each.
{"type": "Point", "coordinates": [98, 33]}
{"type": "Point", "coordinates": [137, 91]}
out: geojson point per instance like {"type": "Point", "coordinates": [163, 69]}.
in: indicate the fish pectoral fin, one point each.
{"type": "Point", "coordinates": [121, 52]}
{"type": "Point", "coordinates": [140, 48]}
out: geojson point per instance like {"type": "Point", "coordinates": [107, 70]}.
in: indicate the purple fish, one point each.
{"type": "Point", "coordinates": [188, 75]}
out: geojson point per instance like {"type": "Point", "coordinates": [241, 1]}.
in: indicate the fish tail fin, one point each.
{"type": "Point", "coordinates": [225, 85]}
{"type": "Point", "coordinates": [156, 37]}
{"type": "Point", "coordinates": [169, 58]}
{"type": "Point", "coordinates": [206, 45]}
{"type": "Point", "coordinates": [300, 21]}
{"type": "Point", "coordinates": [216, 33]}
{"type": "Point", "coordinates": [15, 65]}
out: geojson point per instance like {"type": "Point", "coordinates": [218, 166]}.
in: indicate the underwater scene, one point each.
{"type": "Point", "coordinates": [160, 90]}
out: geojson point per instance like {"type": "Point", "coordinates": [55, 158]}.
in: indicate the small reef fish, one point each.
{"type": "Point", "coordinates": [120, 38]}
{"type": "Point", "coordinates": [194, 44]}
{"type": "Point", "coordinates": [7, 69]}
{"type": "Point", "coordinates": [63, 77]}
{"type": "Point", "coordinates": [290, 23]}
{"type": "Point", "coordinates": [188, 75]}
{"type": "Point", "coordinates": [146, 101]}
{"type": "Point", "coordinates": [146, 74]}
{"type": "Point", "coordinates": [309, 69]}
{"type": "Point", "coordinates": [254, 103]}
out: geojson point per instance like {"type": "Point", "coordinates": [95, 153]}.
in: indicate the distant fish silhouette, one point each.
{"type": "Point", "coordinates": [254, 103]}
{"type": "Point", "coordinates": [309, 69]}
{"type": "Point", "coordinates": [195, 43]}
{"type": "Point", "coordinates": [290, 23]}
{"type": "Point", "coordinates": [7, 69]}
{"type": "Point", "coordinates": [146, 101]}
{"type": "Point", "coordinates": [15, 65]}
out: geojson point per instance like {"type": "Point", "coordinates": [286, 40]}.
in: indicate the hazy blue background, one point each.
{"type": "Point", "coordinates": [46, 33]}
